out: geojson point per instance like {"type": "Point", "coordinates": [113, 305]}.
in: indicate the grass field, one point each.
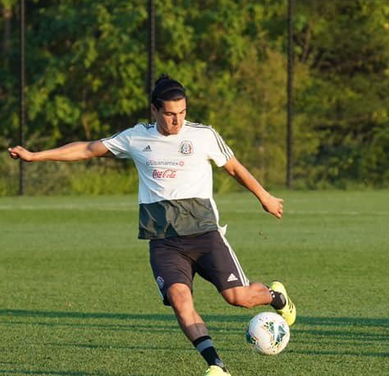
{"type": "Point", "coordinates": [77, 297]}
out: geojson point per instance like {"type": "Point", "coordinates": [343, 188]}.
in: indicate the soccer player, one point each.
{"type": "Point", "coordinates": [177, 213]}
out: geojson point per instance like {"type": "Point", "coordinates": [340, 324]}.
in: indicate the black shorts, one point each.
{"type": "Point", "coordinates": [177, 259]}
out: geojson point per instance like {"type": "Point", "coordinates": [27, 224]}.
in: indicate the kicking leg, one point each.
{"type": "Point", "coordinates": [254, 295]}
{"type": "Point", "coordinates": [258, 294]}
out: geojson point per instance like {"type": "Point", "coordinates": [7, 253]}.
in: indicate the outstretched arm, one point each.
{"type": "Point", "coordinates": [75, 151]}
{"type": "Point", "coordinates": [269, 203]}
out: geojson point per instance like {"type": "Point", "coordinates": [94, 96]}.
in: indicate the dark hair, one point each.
{"type": "Point", "coordinates": [166, 89]}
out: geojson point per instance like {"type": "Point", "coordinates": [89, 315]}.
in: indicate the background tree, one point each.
{"type": "Point", "coordinates": [87, 78]}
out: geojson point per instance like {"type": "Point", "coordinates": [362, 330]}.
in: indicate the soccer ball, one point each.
{"type": "Point", "coordinates": [267, 333]}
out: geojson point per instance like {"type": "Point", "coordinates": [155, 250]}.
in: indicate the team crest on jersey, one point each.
{"type": "Point", "coordinates": [186, 147]}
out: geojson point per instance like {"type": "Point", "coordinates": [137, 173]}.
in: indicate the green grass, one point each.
{"type": "Point", "coordinates": [77, 297]}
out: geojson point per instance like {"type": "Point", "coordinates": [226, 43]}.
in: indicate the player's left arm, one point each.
{"type": "Point", "coordinates": [271, 204]}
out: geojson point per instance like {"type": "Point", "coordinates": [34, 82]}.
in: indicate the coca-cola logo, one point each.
{"type": "Point", "coordinates": [164, 174]}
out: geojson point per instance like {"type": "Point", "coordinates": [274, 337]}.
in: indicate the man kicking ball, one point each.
{"type": "Point", "coordinates": [177, 213]}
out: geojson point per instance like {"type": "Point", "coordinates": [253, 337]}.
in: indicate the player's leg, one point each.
{"type": "Point", "coordinates": [173, 271]}
{"type": "Point", "coordinates": [221, 266]}
{"type": "Point", "coordinates": [254, 295]}
{"type": "Point", "coordinates": [258, 294]}
{"type": "Point", "coordinates": [181, 300]}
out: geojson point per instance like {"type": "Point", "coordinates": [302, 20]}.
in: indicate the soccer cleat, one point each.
{"type": "Point", "coordinates": [289, 310]}
{"type": "Point", "coordinates": [216, 371]}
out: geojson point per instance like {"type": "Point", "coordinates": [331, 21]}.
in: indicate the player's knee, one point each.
{"type": "Point", "coordinates": [180, 296]}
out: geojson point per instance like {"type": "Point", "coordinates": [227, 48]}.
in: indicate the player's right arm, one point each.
{"type": "Point", "coordinates": [75, 151]}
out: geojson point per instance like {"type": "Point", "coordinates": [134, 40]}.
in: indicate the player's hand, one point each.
{"type": "Point", "coordinates": [20, 152]}
{"type": "Point", "coordinates": [274, 206]}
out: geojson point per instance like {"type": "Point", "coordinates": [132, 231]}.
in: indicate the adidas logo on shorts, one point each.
{"type": "Point", "coordinates": [232, 278]}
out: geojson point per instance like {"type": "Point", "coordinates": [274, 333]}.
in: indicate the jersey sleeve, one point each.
{"type": "Point", "coordinates": [119, 144]}
{"type": "Point", "coordinates": [218, 150]}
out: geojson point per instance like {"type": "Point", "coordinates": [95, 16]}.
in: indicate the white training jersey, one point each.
{"type": "Point", "coordinates": [171, 168]}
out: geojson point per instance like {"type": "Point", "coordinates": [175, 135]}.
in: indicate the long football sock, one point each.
{"type": "Point", "coordinates": [204, 346]}
{"type": "Point", "coordinates": [278, 299]}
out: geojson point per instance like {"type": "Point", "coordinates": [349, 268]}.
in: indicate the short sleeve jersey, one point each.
{"type": "Point", "coordinates": [175, 176]}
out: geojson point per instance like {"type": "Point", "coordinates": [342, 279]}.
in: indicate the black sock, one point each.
{"type": "Point", "coordinates": [205, 347]}
{"type": "Point", "coordinates": [278, 300]}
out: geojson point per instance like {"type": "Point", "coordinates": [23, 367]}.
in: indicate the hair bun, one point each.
{"type": "Point", "coordinates": [163, 77]}
{"type": "Point", "coordinates": [166, 89]}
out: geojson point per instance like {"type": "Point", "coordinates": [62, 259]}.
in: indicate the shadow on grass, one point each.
{"type": "Point", "coordinates": [39, 372]}
{"type": "Point", "coordinates": [85, 315]}
{"type": "Point", "coordinates": [342, 353]}
{"type": "Point", "coordinates": [111, 327]}
{"type": "Point", "coordinates": [127, 322]}
{"type": "Point", "coordinates": [305, 320]}
{"type": "Point", "coordinates": [54, 373]}
{"type": "Point", "coordinates": [173, 348]}
{"type": "Point", "coordinates": [338, 321]}
{"type": "Point", "coordinates": [329, 331]}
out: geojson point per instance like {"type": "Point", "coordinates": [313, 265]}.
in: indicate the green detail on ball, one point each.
{"type": "Point", "coordinates": [249, 338]}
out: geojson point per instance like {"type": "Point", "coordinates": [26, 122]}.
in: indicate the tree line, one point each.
{"type": "Point", "coordinates": [87, 78]}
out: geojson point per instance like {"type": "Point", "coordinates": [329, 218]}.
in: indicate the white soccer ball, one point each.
{"type": "Point", "coordinates": [268, 333]}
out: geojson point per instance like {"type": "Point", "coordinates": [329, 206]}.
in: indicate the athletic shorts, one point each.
{"type": "Point", "coordinates": [177, 259]}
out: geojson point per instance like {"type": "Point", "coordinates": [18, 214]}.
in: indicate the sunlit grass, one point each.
{"type": "Point", "coordinates": [77, 297]}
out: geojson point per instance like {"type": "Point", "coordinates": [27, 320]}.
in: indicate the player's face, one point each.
{"type": "Point", "coordinates": [170, 118]}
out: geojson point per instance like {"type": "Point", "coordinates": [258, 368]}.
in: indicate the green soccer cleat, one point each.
{"type": "Point", "coordinates": [216, 371]}
{"type": "Point", "coordinates": [289, 311]}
